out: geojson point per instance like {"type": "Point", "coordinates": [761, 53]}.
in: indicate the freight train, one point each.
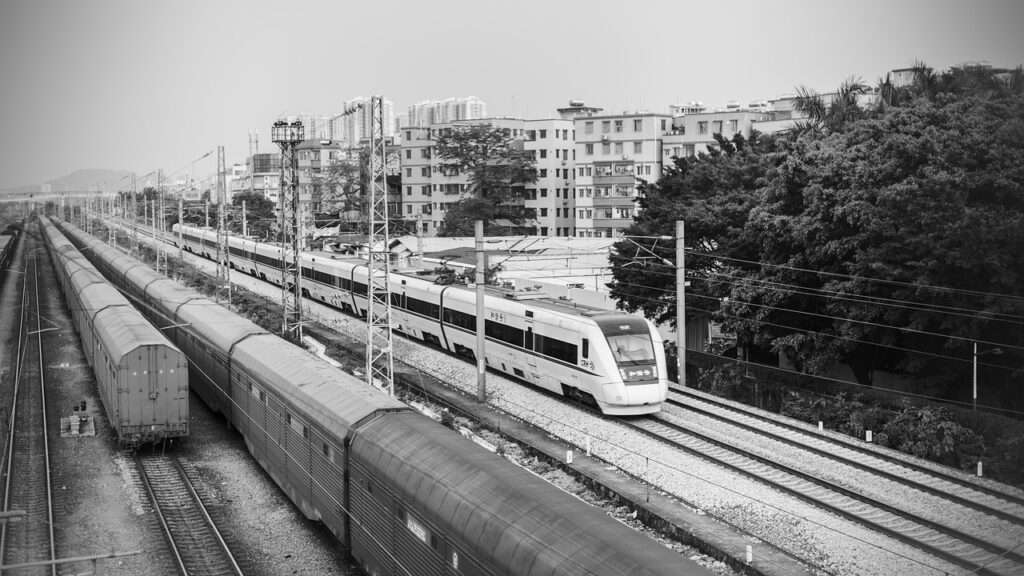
{"type": "Point", "coordinates": [404, 494]}
{"type": "Point", "coordinates": [142, 377]}
{"type": "Point", "coordinates": [610, 359]}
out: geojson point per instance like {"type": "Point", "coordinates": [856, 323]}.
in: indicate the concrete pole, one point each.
{"type": "Point", "coordinates": [181, 223]}
{"type": "Point", "coordinates": [245, 223]}
{"type": "Point", "coordinates": [681, 301]}
{"type": "Point", "coordinates": [481, 336]}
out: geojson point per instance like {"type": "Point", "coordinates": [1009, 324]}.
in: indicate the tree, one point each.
{"type": "Point", "coordinates": [890, 240]}
{"type": "Point", "coordinates": [498, 170]}
{"type": "Point", "coordinates": [260, 214]}
{"type": "Point", "coordinates": [713, 193]}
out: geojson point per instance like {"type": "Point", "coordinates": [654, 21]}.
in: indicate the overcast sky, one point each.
{"type": "Point", "coordinates": [139, 85]}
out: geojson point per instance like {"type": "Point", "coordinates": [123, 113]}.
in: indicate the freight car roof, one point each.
{"type": "Point", "coordinates": [501, 509]}
{"type": "Point", "coordinates": [222, 327]}
{"type": "Point", "coordinates": [124, 330]}
{"type": "Point", "coordinates": [334, 398]}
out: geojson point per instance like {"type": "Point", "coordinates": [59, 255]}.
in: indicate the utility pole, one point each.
{"type": "Point", "coordinates": [135, 217]}
{"type": "Point", "coordinates": [481, 322]}
{"type": "Point", "coordinates": [287, 136]}
{"type": "Point", "coordinates": [223, 256]}
{"type": "Point", "coordinates": [245, 220]}
{"type": "Point", "coordinates": [181, 223]}
{"type": "Point", "coordinates": [681, 301]}
{"type": "Point", "coordinates": [379, 360]}
{"type": "Point", "coordinates": [160, 227]}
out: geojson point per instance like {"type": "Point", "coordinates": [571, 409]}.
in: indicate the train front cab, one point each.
{"type": "Point", "coordinates": [637, 361]}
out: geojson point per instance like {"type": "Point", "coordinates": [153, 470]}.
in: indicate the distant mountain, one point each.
{"type": "Point", "coordinates": [87, 179]}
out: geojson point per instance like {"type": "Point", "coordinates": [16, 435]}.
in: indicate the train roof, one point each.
{"type": "Point", "coordinates": [95, 293]}
{"type": "Point", "coordinates": [222, 327]}
{"type": "Point", "coordinates": [514, 515]}
{"type": "Point", "coordinates": [326, 394]}
{"type": "Point", "coordinates": [125, 330]}
{"type": "Point", "coordinates": [171, 294]}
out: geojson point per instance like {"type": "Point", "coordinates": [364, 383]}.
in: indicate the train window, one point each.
{"type": "Point", "coordinates": [460, 319]}
{"type": "Point", "coordinates": [434, 543]}
{"type": "Point", "coordinates": [529, 313]}
{"type": "Point", "coordinates": [305, 432]}
{"type": "Point", "coordinates": [369, 487]}
{"type": "Point", "coordinates": [263, 397]}
{"type": "Point", "coordinates": [327, 451]}
{"type": "Point", "coordinates": [288, 418]}
{"type": "Point", "coordinates": [586, 348]}
{"type": "Point", "coordinates": [504, 332]}
{"type": "Point", "coordinates": [555, 348]}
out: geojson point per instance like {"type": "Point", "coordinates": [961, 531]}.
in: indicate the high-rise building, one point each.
{"type": "Point", "coordinates": [357, 126]}
{"type": "Point", "coordinates": [452, 109]}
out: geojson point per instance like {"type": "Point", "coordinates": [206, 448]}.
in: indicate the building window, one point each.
{"type": "Point", "coordinates": [588, 127]}
{"type": "Point", "coordinates": [408, 134]}
{"type": "Point", "coordinates": [618, 147]}
{"type": "Point", "coordinates": [543, 133]}
{"type": "Point", "coordinates": [606, 126]}
{"type": "Point", "coordinates": [718, 127]}
{"type": "Point", "coordinates": [408, 172]}
{"type": "Point", "coordinates": [734, 126]}
{"type": "Point", "coordinates": [638, 124]}
{"type": "Point", "coordinates": [425, 153]}
{"type": "Point", "coordinates": [638, 147]}
{"type": "Point", "coordinates": [425, 171]}
{"type": "Point", "coordinates": [408, 153]}
{"type": "Point", "coordinates": [543, 173]}
{"type": "Point", "coordinates": [543, 211]}
{"type": "Point", "coordinates": [662, 124]}
{"type": "Point", "coordinates": [702, 127]}
{"type": "Point", "coordinates": [408, 208]}
{"type": "Point", "coordinates": [606, 148]}
{"type": "Point", "coordinates": [618, 125]}
{"type": "Point", "coordinates": [543, 192]}
{"type": "Point", "coordinates": [425, 190]}
{"type": "Point", "coordinates": [408, 190]}
{"type": "Point", "coordinates": [543, 153]}
{"type": "Point", "coordinates": [590, 149]}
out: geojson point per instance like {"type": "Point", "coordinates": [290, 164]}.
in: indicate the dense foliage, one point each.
{"type": "Point", "coordinates": [882, 234]}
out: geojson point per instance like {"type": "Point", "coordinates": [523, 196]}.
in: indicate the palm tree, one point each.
{"type": "Point", "coordinates": [842, 108]}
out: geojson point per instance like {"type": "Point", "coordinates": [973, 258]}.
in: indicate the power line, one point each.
{"type": "Point", "coordinates": [863, 278]}
{"type": "Point", "coordinates": [859, 298]}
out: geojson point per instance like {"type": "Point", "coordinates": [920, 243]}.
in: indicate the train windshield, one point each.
{"type": "Point", "coordinates": [629, 338]}
{"type": "Point", "coordinates": [632, 349]}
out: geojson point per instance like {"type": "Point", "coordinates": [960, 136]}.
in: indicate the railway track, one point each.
{"type": "Point", "coordinates": [197, 545]}
{"type": "Point", "coordinates": [28, 539]}
{"type": "Point", "coordinates": [988, 499]}
{"type": "Point", "coordinates": [940, 539]}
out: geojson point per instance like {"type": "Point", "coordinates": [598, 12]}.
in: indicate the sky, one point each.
{"type": "Point", "coordinates": [140, 85]}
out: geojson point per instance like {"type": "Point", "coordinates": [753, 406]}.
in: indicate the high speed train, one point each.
{"type": "Point", "coordinates": [608, 358]}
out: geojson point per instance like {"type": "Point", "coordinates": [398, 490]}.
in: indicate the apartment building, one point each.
{"type": "Point", "coordinates": [429, 190]}
{"type": "Point", "coordinates": [612, 152]}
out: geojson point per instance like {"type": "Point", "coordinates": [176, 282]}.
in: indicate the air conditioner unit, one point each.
{"type": "Point", "coordinates": [604, 138]}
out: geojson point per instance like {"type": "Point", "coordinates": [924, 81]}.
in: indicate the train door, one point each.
{"type": "Point", "coordinates": [531, 354]}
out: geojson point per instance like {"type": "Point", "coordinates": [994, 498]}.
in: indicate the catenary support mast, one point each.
{"type": "Point", "coordinates": [379, 361]}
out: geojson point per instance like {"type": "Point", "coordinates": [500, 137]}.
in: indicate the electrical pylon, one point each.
{"type": "Point", "coordinates": [379, 360]}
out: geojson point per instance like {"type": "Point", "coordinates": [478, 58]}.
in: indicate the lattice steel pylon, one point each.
{"type": "Point", "coordinates": [287, 136]}
{"type": "Point", "coordinates": [223, 255]}
{"type": "Point", "coordinates": [379, 360]}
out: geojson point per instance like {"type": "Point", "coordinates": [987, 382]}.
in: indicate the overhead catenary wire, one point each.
{"type": "Point", "coordinates": [889, 346]}
{"type": "Point", "coordinates": [866, 299]}
{"type": "Point", "coordinates": [696, 252]}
